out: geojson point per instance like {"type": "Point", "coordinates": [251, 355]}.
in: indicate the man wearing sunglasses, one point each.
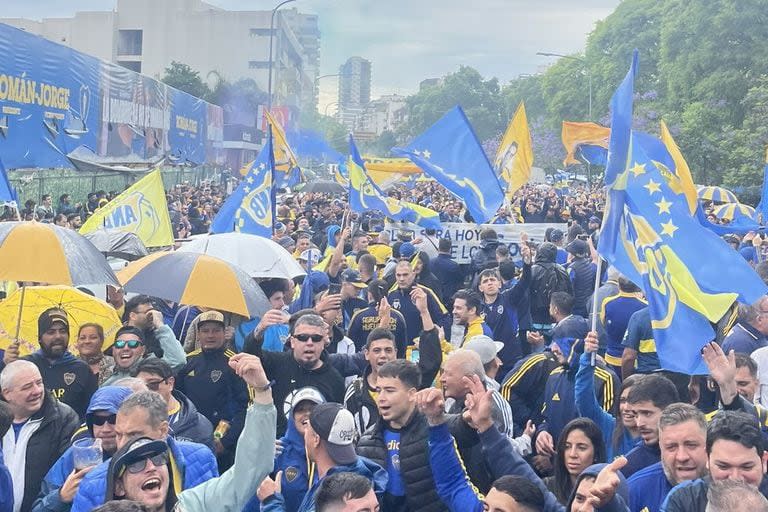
{"type": "Point", "coordinates": [142, 471]}
{"type": "Point", "coordinates": [63, 480]}
{"type": "Point", "coordinates": [129, 349]}
{"type": "Point", "coordinates": [186, 423]}
{"type": "Point", "coordinates": [305, 365]}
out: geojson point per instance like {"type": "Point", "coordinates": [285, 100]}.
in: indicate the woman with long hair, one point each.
{"type": "Point", "coordinates": [579, 446]}
{"type": "Point", "coordinates": [90, 341]}
{"type": "Point", "coordinates": [621, 435]}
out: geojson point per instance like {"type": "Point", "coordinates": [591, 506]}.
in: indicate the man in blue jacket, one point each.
{"type": "Point", "coordinates": [608, 493]}
{"type": "Point", "coordinates": [62, 481]}
{"type": "Point", "coordinates": [145, 414]}
{"type": "Point", "coordinates": [329, 441]}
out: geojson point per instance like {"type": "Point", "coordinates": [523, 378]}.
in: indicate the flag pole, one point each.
{"type": "Point", "coordinates": [594, 302]}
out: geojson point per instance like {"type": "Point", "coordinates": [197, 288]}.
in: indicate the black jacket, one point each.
{"type": "Point", "coordinates": [68, 378]}
{"type": "Point", "coordinates": [358, 399]}
{"type": "Point", "coordinates": [209, 382]}
{"type": "Point", "coordinates": [57, 424]}
{"type": "Point", "coordinates": [189, 424]}
{"type": "Point", "coordinates": [421, 494]}
{"type": "Point", "coordinates": [289, 376]}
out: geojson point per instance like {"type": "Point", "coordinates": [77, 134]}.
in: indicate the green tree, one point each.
{"type": "Point", "coordinates": [184, 78]}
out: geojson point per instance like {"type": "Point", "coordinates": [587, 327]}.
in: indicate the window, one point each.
{"type": "Point", "coordinates": [133, 65]}
{"type": "Point", "coordinates": [258, 64]}
{"type": "Point", "coordinates": [129, 42]}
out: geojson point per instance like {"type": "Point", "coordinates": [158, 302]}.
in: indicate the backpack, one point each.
{"type": "Point", "coordinates": [553, 278]}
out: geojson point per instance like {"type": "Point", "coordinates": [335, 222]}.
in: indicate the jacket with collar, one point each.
{"type": "Point", "coordinates": [57, 423]}
{"type": "Point", "coordinates": [415, 469]}
{"type": "Point", "coordinates": [195, 462]}
{"type": "Point", "coordinates": [190, 425]}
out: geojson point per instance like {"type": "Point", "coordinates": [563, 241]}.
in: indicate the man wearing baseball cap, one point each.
{"type": "Point", "coordinates": [488, 350]}
{"type": "Point", "coordinates": [69, 379]}
{"type": "Point", "coordinates": [351, 287]}
{"type": "Point", "coordinates": [330, 444]}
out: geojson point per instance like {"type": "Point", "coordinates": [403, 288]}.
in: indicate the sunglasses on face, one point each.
{"type": "Point", "coordinates": [316, 338]}
{"type": "Point", "coordinates": [128, 343]}
{"type": "Point", "coordinates": [101, 420]}
{"type": "Point", "coordinates": [155, 385]}
{"type": "Point", "coordinates": [161, 459]}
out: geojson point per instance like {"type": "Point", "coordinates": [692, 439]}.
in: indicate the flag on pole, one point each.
{"type": "Point", "coordinates": [690, 276]}
{"type": "Point", "coordinates": [514, 158]}
{"type": "Point", "coordinates": [450, 152]}
{"type": "Point", "coordinates": [251, 207]}
{"type": "Point", "coordinates": [141, 209]}
{"type": "Point", "coordinates": [682, 174]}
{"type": "Point", "coordinates": [585, 141]}
{"type": "Point", "coordinates": [287, 170]}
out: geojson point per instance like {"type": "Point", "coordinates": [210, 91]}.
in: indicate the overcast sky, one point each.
{"type": "Point", "coordinates": [410, 40]}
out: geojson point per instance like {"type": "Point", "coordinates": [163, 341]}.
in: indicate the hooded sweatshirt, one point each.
{"type": "Point", "coordinates": [620, 499]}
{"type": "Point", "coordinates": [362, 466]}
{"type": "Point", "coordinates": [107, 399]}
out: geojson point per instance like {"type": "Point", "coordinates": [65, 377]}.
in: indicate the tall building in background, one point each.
{"type": "Point", "coordinates": [354, 91]}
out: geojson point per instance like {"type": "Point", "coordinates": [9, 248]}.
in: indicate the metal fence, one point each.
{"type": "Point", "coordinates": [33, 184]}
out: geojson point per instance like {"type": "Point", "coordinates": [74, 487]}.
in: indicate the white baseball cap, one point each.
{"type": "Point", "coordinates": [484, 346]}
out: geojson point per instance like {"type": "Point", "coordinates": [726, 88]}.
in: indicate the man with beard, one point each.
{"type": "Point", "coordinates": [67, 377]}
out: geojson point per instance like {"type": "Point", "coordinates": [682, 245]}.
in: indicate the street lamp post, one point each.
{"type": "Point", "coordinates": [271, 39]}
{"type": "Point", "coordinates": [586, 68]}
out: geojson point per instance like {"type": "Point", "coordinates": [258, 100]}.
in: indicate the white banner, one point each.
{"type": "Point", "coordinates": [466, 237]}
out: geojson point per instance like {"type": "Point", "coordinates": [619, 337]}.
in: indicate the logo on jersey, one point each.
{"type": "Point", "coordinates": [291, 473]}
{"type": "Point", "coordinates": [500, 309]}
{"type": "Point", "coordinates": [215, 375]}
{"type": "Point", "coordinates": [69, 378]}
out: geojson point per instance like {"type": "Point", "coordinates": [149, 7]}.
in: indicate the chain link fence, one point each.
{"type": "Point", "coordinates": [33, 184]}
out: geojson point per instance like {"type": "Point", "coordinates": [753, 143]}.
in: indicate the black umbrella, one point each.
{"type": "Point", "coordinates": [118, 244]}
{"type": "Point", "coordinates": [324, 187]}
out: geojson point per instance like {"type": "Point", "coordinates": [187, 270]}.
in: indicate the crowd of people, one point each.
{"type": "Point", "coordinates": [389, 378]}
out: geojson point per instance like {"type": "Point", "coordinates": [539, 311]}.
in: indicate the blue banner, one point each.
{"type": "Point", "coordinates": [63, 108]}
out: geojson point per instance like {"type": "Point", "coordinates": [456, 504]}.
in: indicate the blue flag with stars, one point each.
{"type": "Point", "coordinates": [450, 152]}
{"type": "Point", "coordinates": [250, 208]}
{"type": "Point", "coordinates": [690, 276]}
{"type": "Point", "coordinates": [365, 195]}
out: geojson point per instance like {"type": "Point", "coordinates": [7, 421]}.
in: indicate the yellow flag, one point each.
{"type": "Point", "coordinates": [514, 158]}
{"type": "Point", "coordinates": [141, 209]}
{"type": "Point", "coordinates": [285, 159]}
{"type": "Point", "coordinates": [681, 169]}
{"type": "Point", "coordinates": [574, 134]}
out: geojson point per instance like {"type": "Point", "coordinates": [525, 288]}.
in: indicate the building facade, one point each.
{"type": "Point", "coordinates": [354, 91]}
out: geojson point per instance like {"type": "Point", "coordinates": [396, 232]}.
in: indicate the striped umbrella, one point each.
{"type": "Point", "coordinates": [717, 195]}
{"type": "Point", "coordinates": [197, 280]}
{"type": "Point", "coordinates": [731, 211]}
{"type": "Point", "coordinates": [46, 253]}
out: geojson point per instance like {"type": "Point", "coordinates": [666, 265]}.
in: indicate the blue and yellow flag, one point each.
{"type": "Point", "coordinates": [680, 178]}
{"type": "Point", "coordinates": [251, 207]}
{"type": "Point", "coordinates": [141, 209]}
{"type": "Point", "coordinates": [340, 174]}
{"type": "Point", "coordinates": [287, 170]}
{"type": "Point", "coordinates": [450, 153]}
{"type": "Point", "coordinates": [689, 275]}
{"type": "Point", "coordinates": [364, 195]}
{"type": "Point", "coordinates": [561, 183]}
{"type": "Point", "coordinates": [514, 157]}
{"type": "Point", "coordinates": [621, 125]}
{"type": "Point", "coordinates": [586, 142]}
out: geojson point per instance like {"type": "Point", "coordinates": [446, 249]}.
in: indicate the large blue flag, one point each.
{"type": "Point", "coordinates": [621, 125]}
{"type": "Point", "coordinates": [762, 206]}
{"type": "Point", "coordinates": [450, 153]}
{"type": "Point", "coordinates": [8, 194]}
{"type": "Point", "coordinates": [689, 275]}
{"type": "Point", "coordinates": [365, 195]}
{"type": "Point", "coordinates": [251, 207]}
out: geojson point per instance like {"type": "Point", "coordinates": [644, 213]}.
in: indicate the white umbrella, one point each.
{"type": "Point", "coordinates": [259, 257]}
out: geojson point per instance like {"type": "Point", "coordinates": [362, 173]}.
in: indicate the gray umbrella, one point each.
{"type": "Point", "coordinates": [324, 187]}
{"type": "Point", "coordinates": [117, 244]}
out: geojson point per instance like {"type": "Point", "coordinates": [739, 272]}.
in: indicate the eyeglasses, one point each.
{"type": "Point", "coordinates": [129, 343]}
{"type": "Point", "coordinates": [155, 384]}
{"type": "Point", "coordinates": [101, 420]}
{"type": "Point", "coordinates": [316, 338]}
{"type": "Point", "coordinates": [161, 459]}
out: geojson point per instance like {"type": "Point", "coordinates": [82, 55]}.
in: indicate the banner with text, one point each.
{"type": "Point", "coordinates": [466, 237]}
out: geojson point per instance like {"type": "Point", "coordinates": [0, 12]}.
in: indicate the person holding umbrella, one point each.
{"type": "Point", "coordinates": [67, 377]}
